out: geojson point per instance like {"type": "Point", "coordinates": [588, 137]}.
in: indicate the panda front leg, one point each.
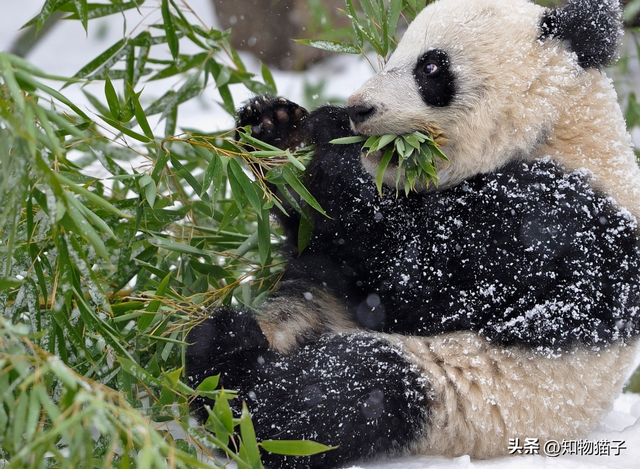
{"type": "Point", "coordinates": [355, 391]}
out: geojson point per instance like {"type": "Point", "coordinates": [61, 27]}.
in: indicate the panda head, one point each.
{"type": "Point", "coordinates": [495, 79]}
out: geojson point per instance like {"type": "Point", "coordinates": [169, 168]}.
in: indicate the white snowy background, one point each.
{"type": "Point", "coordinates": [67, 48]}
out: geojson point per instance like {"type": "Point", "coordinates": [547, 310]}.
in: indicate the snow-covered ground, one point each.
{"type": "Point", "coordinates": [68, 48]}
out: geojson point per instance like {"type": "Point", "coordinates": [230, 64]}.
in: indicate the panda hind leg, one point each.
{"type": "Point", "coordinates": [276, 121]}
{"type": "Point", "coordinates": [229, 343]}
{"type": "Point", "coordinates": [353, 391]}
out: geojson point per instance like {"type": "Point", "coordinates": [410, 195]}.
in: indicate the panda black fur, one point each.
{"type": "Point", "coordinates": [503, 304]}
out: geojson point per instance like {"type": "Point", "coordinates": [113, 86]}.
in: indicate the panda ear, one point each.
{"type": "Point", "coordinates": [591, 28]}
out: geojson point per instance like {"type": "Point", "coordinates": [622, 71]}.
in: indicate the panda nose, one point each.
{"type": "Point", "coordinates": [359, 114]}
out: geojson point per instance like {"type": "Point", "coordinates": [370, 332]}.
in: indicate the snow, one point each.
{"type": "Point", "coordinates": [68, 48]}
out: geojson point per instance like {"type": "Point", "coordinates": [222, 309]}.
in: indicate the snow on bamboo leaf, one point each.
{"type": "Point", "coordinates": [416, 154]}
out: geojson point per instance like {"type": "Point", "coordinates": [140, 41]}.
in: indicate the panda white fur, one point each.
{"type": "Point", "coordinates": [502, 304]}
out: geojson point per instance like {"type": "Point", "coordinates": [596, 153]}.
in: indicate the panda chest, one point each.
{"type": "Point", "coordinates": [488, 244]}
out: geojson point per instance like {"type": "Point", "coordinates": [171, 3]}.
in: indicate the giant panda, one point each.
{"type": "Point", "coordinates": [501, 304]}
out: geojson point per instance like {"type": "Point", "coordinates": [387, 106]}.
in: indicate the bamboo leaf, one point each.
{"type": "Point", "coordinates": [331, 46]}
{"type": "Point", "coordinates": [51, 92]}
{"type": "Point", "coordinates": [105, 60]}
{"type": "Point", "coordinates": [90, 195]}
{"type": "Point", "coordinates": [302, 191]}
{"type": "Point", "coordinates": [246, 186]}
{"type": "Point", "coordinates": [98, 10]}
{"type": "Point", "coordinates": [48, 8]}
{"type": "Point", "coordinates": [268, 79]}
{"type": "Point", "coordinates": [112, 98]}
{"type": "Point", "coordinates": [125, 130]}
{"type": "Point", "coordinates": [169, 28]}
{"type": "Point", "coordinates": [208, 386]}
{"type": "Point", "coordinates": [82, 12]}
{"type": "Point", "coordinates": [295, 447]}
{"type": "Point", "coordinates": [264, 238]}
{"type": "Point", "coordinates": [348, 140]}
{"type": "Point", "coordinates": [384, 163]}
{"type": "Point", "coordinates": [86, 230]}
{"type": "Point", "coordinates": [249, 439]}
{"type": "Point", "coordinates": [153, 306]}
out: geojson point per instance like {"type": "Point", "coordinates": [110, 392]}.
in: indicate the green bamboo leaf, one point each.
{"type": "Point", "coordinates": [393, 15]}
{"type": "Point", "coordinates": [186, 174]}
{"type": "Point", "coordinates": [227, 100]}
{"type": "Point", "coordinates": [631, 10]}
{"type": "Point", "coordinates": [222, 412]}
{"type": "Point", "coordinates": [139, 113]}
{"type": "Point", "coordinates": [10, 283]}
{"type": "Point", "coordinates": [88, 194]}
{"type": "Point", "coordinates": [231, 214]}
{"type": "Point", "coordinates": [295, 447]}
{"type": "Point", "coordinates": [185, 64]}
{"type": "Point", "coordinates": [208, 386]}
{"type": "Point", "coordinates": [45, 401]}
{"type": "Point", "coordinates": [245, 137]}
{"type": "Point", "coordinates": [353, 16]}
{"type": "Point", "coordinates": [169, 28]}
{"type": "Point", "coordinates": [264, 238]}
{"type": "Point", "coordinates": [63, 373]}
{"type": "Point", "coordinates": [112, 99]}
{"type": "Point", "coordinates": [51, 92]}
{"type": "Point", "coordinates": [33, 415]}
{"type": "Point", "coordinates": [98, 10]}
{"type": "Point", "coordinates": [302, 191]}
{"type": "Point", "coordinates": [49, 7]}
{"type": "Point", "coordinates": [179, 247]}
{"type": "Point", "coordinates": [83, 12]}
{"type": "Point", "coordinates": [385, 140]}
{"type": "Point", "coordinates": [86, 230]}
{"type": "Point", "coordinates": [296, 162]}
{"type": "Point", "coordinates": [105, 60]}
{"type": "Point", "coordinates": [153, 306]}
{"type": "Point", "coordinates": [94, 218]}
{"type": "Point", "coordinates": [147, 183]}
{"type": "Point", "coordinates": [268, 79]}
{"type": "Point", "coordinates": [246, 185]}
{"type": "Point", "coordinates": [142, 43]}
{"type": "Point", "coordinates": [249, 439]}
{"type": "Point", "coordinates": [125, 130]}
{"type": "Point", "coordinates": [169, 102]}
{"type": "Point", "coordinates": [4, 416]}
{"type": "Point", "coordinates": [331, 46]}
{"type": "Point", "coordinates": [20, 418]}
{"type": "Point", "coordinates": [10, 81]}
{"type": "Point", "coordinates": [214, 171]}
{"type": "Point", "coordinates": [135, 370]}
{"type": "Point", "coordinates": [412, 140]}
{"type": "Point", "coordinates": [52, 140]}
{"type": "Point", "coordinates": [384, 163]}
{"type": "Point", "coordinates": [305, 232]}
{"type": "Point", "coordinates": [349, 140]}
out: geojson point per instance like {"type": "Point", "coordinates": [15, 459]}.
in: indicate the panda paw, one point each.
{"type": "Point", "coordinates": [276, 121]}
{"type": "Point", "coordinates": [229, 343]}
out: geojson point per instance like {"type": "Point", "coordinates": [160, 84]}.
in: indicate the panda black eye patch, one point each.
{"type": "Point", "coordinates": [436, 82]}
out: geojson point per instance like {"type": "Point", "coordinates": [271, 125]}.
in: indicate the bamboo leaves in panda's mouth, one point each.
{"type": "Point", "coordinates": [414, 154]}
